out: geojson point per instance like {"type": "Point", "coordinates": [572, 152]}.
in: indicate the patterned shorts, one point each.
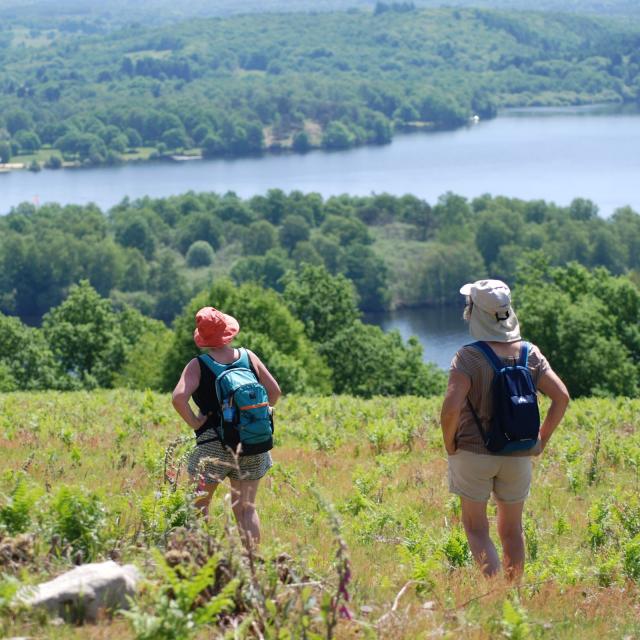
{"type": "Point", "coordinates": [215, 462]}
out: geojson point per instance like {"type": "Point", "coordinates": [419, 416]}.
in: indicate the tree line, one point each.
{"type": "Point", "coordinates": [155, 254]}
{"type": "Point", "coordinates": [312, 337]}
{"type": "Point", "coordinates": [100, 16]}
{"type": "Point", "coordinates": [239, 85]}
{"type": "Point", "coordinates": [306, 334]}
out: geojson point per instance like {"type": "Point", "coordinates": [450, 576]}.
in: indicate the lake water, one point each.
{"type": "Point", "coordinates": [442, 331]}
{"type": "Point", "coordinates": [554, 154]}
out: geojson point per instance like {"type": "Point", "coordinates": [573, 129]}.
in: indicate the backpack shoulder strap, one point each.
{"type": "Point", "coordinates": [525, 349]}
{"type": "Point", "coordinates": [489, 354]}
{"type": "Point", "coordinates": [215, 367]}
{"type": "Point", "coordinates": [244, 360]}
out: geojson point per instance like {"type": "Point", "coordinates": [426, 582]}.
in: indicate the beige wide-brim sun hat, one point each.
{"type": "Point", "coordinates": [492, 317]}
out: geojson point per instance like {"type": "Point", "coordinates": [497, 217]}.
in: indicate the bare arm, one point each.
{"type": "Point", "coordinates": [266, 379]}
{"type": "Point", "coordinates": [455, 397]}
{"type": "Point", "coordinates": [188, 383]}
{"type": "Point", "coordinates": [551, 385]}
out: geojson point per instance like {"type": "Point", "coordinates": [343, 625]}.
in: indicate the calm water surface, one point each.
{"type": "Point", "coordinates": [554, 154]}
{"type": "Point", "coordinates": [442, 331]}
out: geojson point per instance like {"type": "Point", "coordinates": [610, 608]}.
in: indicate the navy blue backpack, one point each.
{"type": "Point", "coordinates": [515, 422]}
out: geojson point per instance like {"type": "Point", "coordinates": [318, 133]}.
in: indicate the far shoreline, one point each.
{"type": "Point", "coordinates": [280, 149]}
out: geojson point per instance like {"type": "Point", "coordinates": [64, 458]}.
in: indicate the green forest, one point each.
{"type": "Point", "coordinates": [155, 254]}
{"type": "Point", "coordinates": [90, 90]}
{"type": "Point", "coordinates": [150, 264]}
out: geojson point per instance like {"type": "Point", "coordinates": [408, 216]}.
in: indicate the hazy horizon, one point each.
{"type": "Point", "coordinates": [15, 9]}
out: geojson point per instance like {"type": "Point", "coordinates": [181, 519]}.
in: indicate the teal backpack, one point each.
{"type": "Point", "coordinates": [245, 417]}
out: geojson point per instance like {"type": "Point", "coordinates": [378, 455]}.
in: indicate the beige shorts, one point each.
{"type": "Point", "coordinates": [475, 476]}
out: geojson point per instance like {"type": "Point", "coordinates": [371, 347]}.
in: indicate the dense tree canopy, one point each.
{"type": "Point", "coordinates": [365, 361]}
{"type": "Point", "coordinates": [395, 250]}
{"type": "Point", "coordinates": [98, 15]}
{"type": "Point", "coordinates": [323, 302]}
{"type": "Point", "coordinates": [297, 269]}
{"type": "Point", "coordinates": [88, 341]}
{"type": "Point", "coordinates": [26, 361]}
{"type": "Point", "coordinates": [586, 323]}
{"type": "Point", "coordinates": [239, 85]}
{"type": "Point", "coordinates": [84, 343]}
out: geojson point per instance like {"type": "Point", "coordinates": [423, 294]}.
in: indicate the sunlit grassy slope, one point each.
{"type": "Point", "coordinates": [381, 464]}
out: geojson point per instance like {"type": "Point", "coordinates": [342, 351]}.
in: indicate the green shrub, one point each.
{"type": "Point", "coordinates": [631, 559]}
{"type": "Point", "coordinates": [366, 361]}
{"type": "Point", "coordinates": [54, 162]}
{"type": "Point", "coordinates": [456, 549]}
{"type": "Point", "coordinates": [78, 518]}
{"type": "Point", "coordinates": [166, 510]}
{"type": "Point", "coordinates": [514, 622]}
{"type": "Point", "coordinates": [16, 512]}
{"type": "Point", "coordinates": [593, 346]}
{"type": "Point", "coordinates": [200, 254]}
{"type": "Point", "coordinates": [177, 612]}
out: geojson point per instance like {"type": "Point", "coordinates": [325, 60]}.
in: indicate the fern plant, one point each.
{"type": "Point", "coordinates": [9, 586]}
{"type": "Point", "coordinates": [177, 613]}
{"type": "Point", "coordinates": [78, 517]}
{"type": "Point", "coordinates": [456, 549]}
{"type": "Point", "coordinates": [514, 623]}
{"type": "Point", "coordinates": [16, 512]}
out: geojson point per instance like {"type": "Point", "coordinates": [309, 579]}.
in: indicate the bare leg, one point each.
{"type": "Point", "coordinates": [243, 494]}
{"type": "Point", "coordinates": [512, 538]}
{"type": "Point", "coordinates": [203, 496]}
{"type": "Point", "coordinates": [476, 526]}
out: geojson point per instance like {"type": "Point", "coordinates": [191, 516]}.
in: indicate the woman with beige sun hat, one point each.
{"type": "Point", "coordinates": [475, 472]}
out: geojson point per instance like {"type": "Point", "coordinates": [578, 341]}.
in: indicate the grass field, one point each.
{"type": "Point", "coordinates": [89, 467]}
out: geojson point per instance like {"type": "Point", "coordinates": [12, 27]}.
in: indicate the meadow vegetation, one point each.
{"type": "Point", "coordinates": [356, 504]}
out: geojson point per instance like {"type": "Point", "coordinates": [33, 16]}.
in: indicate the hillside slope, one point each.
{"type": "Point", "coordinates": [93, 464]}
{"type": "Point", "coordinates": [98, 93]}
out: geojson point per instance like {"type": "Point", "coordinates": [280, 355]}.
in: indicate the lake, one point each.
{"type": "Point", "coordinates": [442, 331]}
{"type": "Point", "coordinates": [548, 153]}
{"type": "Point", "coordinates": [554, 154]}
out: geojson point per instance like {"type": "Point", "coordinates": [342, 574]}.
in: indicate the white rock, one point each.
{"type": "Point", "coordinates": [79, 594]}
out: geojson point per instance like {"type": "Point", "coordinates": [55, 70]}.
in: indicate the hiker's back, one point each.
{"type": "Point", "coordinates": [244, 420]}
{"type": "Point", "coordinates": [231, 386]}
{"type": "Point", "coordinates": [475, 365]}
{"type": "Point", "coordinates": [496, 378]}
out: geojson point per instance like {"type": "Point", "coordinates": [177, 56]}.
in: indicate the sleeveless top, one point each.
{"type": "Point", "coordinates": [205, 395]}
